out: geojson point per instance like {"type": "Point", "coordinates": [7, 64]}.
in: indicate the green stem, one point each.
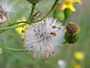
{"type": "Point", "coordinates": [30, 18]}
{"type": "Point", "coordinates": [31, 14]}
{"type": "Point", "coordinates": [15, 25]}
{"type": "Point", "coordinates": [11, 49]}
{"type": "Point", "coordinates": [49, 11]}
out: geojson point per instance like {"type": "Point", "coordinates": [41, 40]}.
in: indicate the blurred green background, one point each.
{"type": "Point", "coordinates": [13, 59]}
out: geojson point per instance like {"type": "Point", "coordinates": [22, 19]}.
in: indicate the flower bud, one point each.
{"type": "Point", "coordinates": [72, 28]}
{"type": "Point", "coordinates": [58, 12]}
{"type": "Point", "coordinates": [72, 33]}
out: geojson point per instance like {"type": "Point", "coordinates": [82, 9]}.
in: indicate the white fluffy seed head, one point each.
{"type": "Point", "coordinates": [7, 6]}
{"type": "Point", "coordinates": [2, 16]}
{"type": "Point", "coordinates": [43, 38]}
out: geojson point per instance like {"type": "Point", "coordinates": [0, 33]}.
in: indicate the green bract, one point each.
{"type": "Point", "coordinates": [72, 33]}
{"type": "Point", "coordinates": [67, 13]}
{"type": "Point", "coordinates": [71, 39]}
{"type": "Point", "coordinates": [59, 15]}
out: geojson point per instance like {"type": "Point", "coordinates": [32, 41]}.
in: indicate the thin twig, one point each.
{"type": "Point", "coordinates": [11, 26]}
{"type": "Point", "coordinates": [12, 49]}
{"type": "Point", "coordinates": [31, 14]}
{"type": "Point", "coordinates": [48, 12]}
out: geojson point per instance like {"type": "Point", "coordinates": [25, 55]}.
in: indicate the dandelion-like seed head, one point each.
{"type": "Point", "coordinates": [43, 38]}
{"type": "Point", "coordinates": [2, 16]}
{"type": "Point", "coordinates": [7, 6]}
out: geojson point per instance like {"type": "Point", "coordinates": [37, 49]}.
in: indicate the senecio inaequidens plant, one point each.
{"type": "Point", "coordinates": [43, 36]}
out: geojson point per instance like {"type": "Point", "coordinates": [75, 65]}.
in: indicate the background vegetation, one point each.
{"type": "Point", "coordinates": [13, 59]}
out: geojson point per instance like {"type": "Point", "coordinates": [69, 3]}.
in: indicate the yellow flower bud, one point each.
{"type": "Point", "coordinates": [21, 30]}
{"type": "Point", "coordinates": [79, 55]}
{"type": "Point", "coordinates": [76, 66]}
{"type": "Point", "coordinates": [69, 5]}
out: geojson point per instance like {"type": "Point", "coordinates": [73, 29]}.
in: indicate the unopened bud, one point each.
{"type": "Point", "coordinates": [72, 33]}
{"type": "Point", "coordinates": [72, 28]}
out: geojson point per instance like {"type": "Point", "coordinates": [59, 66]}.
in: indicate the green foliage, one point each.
{"type": "Point", "coordinates": [11, 59]}
{"type": "Point", "coordinates": [67, 13]}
